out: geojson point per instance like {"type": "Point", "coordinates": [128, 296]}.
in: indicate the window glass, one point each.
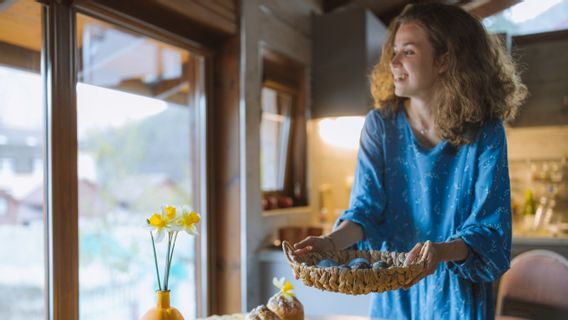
{"type": "Point", "coordinates": [530, 16]}
{"type": "Point", "coordinates": [274, 138]}
{"type": "Point", "coordinates": [136, 101]}
{"type": "Point", "coordinates": [22, 263]}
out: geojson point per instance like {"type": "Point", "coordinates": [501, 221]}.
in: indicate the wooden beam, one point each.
{"type": "Point", "coordinates": [62, 192]}
{"type": "Point", "coordinates": [331, 5]}
{"type": "Point", "coordinates": [148, 14]}
{"type": "Point", "coordinates": [202, 12]}
{"type": "Point", "coordinates": [225, 220]}
{"type": "Point", "coordinates": [485, 8]}
{"type": "Point", "coordinates": [19, 57]}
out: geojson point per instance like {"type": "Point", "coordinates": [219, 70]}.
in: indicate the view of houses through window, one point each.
{"type": "Point", "coordinates": [22, 133]}
{"type": "Point", "coordinates": [135, 102]}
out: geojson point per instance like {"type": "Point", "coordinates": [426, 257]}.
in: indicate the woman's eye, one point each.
{"type": "Point", "coordinates": [408, 52]}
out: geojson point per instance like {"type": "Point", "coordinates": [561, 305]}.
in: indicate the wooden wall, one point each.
{"type": "Point", "coordinates": [282, 27]}
{"type": "Point", "coordinates": [225, 227]}
{"type": "Point", "coordinates": [542, 58]}
{"type": "Point", "coordinates": [220, 15]}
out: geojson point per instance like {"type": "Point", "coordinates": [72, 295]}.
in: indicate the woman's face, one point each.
{"type": "Point", "coordinates": [413, 65]}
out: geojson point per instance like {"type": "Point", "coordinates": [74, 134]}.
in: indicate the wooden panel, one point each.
{"type": "Point", "coordinates": [229, 4]}
{"type": "Point", "coordinates": [18, 25]}
{"type": "Point", "coordinates": [218, 8]}
{"type": "Point", "coordinates": [545, 75]}
{"type": "Point", "coordinates": [225, 293]}
{"type": "Point", "coordinates": [250, 115]}
{"type": "Point", "coordinates": [281, 38]}
{"type": "Point", "coordinates": [537, 143]}
{"type": "Point", "coordinates": [154, 16]}
{"type": "Point", "coordinates": [203, 14]}
{"type": "Point", "coordinates": [546, 105]}
{"type": "Point", "coordinates": [19, 57]}
{"type": "Point", "coordinates": [63, 207]}
{"type": "Point", "coordinates": [294, 13]}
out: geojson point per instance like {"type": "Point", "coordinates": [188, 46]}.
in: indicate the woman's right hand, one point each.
{"type": "Point", "coordinates": [312, 243]}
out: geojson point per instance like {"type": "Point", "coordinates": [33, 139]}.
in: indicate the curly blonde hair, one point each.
{"type": "Point", "coordinates": [481, 82]}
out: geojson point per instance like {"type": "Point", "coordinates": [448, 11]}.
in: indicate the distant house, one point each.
{"type": "Point", "coordinates": [148, 191]}
{"type": "Point", "coordinates": [8, 208]}
{"type": "Point", "coordinates": [20, 148]}
{"type": "Point", "coordinates": [92, 203]}
{"type": "Point", "coordinates": [20, 171]}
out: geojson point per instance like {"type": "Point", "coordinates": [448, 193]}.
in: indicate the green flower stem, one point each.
{"type": "Point", "coordinates": [167, 266]}
{"type": "Point", "coordinates": [156, 262]}
{"type": "Point", "coordinates": [171, 254]}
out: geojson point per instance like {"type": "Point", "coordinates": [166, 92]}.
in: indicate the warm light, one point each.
{"type": "Point", "coordinates": [342, 132]}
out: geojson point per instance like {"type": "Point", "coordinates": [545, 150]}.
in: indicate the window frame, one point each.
{"type": "Point", "coordinates": [283, 74]}
{"type": "Point", "coordinates": [287, 137]}
{"type": "Point", "coordinates": [59, 66]}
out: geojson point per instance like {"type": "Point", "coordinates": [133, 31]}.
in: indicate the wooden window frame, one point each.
{"type": "Point", "coordinates": [283, 74]}
{"type": "Point", "coordinates": [59, 72]}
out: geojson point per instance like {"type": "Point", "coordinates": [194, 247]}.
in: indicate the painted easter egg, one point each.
{"type": "Point", "coordinates": [326, 263]}
{"type": "Point", "coordinates": [380, 265]}
{"type": "Point", "coordinates": [359, 263]}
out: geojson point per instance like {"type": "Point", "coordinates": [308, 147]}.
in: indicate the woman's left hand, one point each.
{"type": "Point", "coordinates": [427, 252]}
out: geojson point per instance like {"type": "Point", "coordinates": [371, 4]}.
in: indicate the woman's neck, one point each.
{"type": "Point", "coordinates": [421, 116]}
{"type": "Point", "coordinates": [420, 112]}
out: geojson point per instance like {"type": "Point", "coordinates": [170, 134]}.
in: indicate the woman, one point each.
{"type": "Point", "coordinates": [432, 175]}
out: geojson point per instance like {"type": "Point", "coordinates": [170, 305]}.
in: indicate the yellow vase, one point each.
{"type": "Point", "coordinates": [163, 310]}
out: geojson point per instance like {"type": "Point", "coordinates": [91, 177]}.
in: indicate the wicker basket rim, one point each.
{"type": "Point", "coordinates": [382, 279]}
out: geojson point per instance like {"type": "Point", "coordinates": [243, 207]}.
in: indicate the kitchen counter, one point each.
{"type": "Point", "coordinates": [523, 244]}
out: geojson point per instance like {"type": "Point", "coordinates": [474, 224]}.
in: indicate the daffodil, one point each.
{"type": "Point", "coordinates": [160, 223]}
{"type": "Point", "coordinates": [188, 220]}
{"type": "Point", "coordinates": [285, 286]}
{"type": "Point", "coordinates": [169, 222]}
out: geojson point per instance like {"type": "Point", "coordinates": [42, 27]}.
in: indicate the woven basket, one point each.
{"type": "Point", "coordinates": [355, 282]}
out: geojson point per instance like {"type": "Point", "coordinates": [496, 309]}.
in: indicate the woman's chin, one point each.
{"type": "Point", "coordinates": [400, 93]}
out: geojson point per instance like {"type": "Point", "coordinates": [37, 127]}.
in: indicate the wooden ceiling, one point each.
{"type": "Point", "coordinates": [20, 24]}
{"type": "Point", "coordinates": [20, 21]}
{"type": "Point", "coordinates": [386, 10]}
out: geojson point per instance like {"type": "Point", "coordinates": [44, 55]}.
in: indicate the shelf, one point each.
{"type": "Point", "coordinates": [287, 211]}
{"type": "Point", "coordinates": [549, 241]}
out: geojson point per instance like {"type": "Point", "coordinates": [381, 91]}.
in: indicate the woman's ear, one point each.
{"type": "Point", "coordinates": [442, 63]}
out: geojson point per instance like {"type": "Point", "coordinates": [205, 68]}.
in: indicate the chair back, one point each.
{"type": "Point", "coordinates": [536, 286]}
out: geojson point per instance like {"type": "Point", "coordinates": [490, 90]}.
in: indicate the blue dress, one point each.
{"type": "Point", "coordinates": [403, 194]}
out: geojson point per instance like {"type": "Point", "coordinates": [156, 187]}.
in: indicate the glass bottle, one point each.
{"type": "Point", "coordinates": [528, 212]}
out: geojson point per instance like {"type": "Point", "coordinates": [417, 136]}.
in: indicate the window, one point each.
{"type": "Point", "coordinates": [22, 264]}
{"type": "Point", "coordinates": [136, 99]}
{"type": "Point", "coordinates": [282, 133]}
{"type": "Point", "coordinates": [274, 137]}
{"type": "Point", "coordinates": [3, 206]}
{"type": "Point", "coordinates": [530, 16]}
{"type": "Point", "coordinates": [140, 132]}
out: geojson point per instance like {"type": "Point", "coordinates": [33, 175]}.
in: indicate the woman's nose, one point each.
{"type": "Point", "coordinates": [395, 61]}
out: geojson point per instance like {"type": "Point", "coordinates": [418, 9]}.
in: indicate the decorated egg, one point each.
{"type": "Point", "coordinates": [325, 263]}
{"type": "Point", "coordinates": [379, 265]}
{"type": "Point", "coordinates": [359, 263]}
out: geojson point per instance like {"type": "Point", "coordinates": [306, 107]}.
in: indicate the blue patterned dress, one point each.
{"type": "Point", "coordinates": [403, 194]}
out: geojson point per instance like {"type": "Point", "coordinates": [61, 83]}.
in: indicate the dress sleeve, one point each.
{"type": "Point", "coordinates": [367, 199]}
{"type": "Point", "coordinates": [487, 230]}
